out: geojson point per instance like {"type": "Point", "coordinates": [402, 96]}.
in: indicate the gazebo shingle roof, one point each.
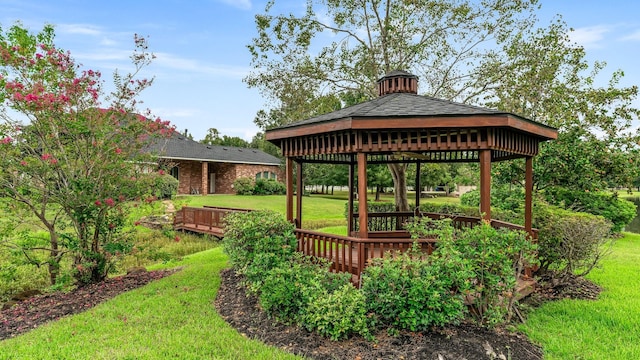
{"type": "Point", "coordinates": [182, 148]}
{"type": "Point", "coordinates": [399, 105]}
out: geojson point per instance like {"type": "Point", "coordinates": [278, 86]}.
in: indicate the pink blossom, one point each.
{"type": "Point", "coordinates": [6, 140]}
{"type": "Point", "coordinates": [118, 151]}
{"type": "Point", "coordinates": [161, 172]}
{"type": "Point", "coordinates": [177, 238]}
{"type": "Point", "coordinates": [98, 203]}
{"type": "Point", "coordinates": [39, 56]}
{"type": "Point", "coordinates": [46, 157]}
{"type": "Point", "coordinates": [109, 202]}
{"type": "Point", "coordinates": [53, 161]}
{"type": "Point", "coordinates": [23, 163]}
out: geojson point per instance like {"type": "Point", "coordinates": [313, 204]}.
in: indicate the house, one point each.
{"type": "Point", "coordinates": [211, 169]}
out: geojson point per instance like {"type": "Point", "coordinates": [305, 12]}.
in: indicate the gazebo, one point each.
{"type": "Point", "coordinates": [400, 126]}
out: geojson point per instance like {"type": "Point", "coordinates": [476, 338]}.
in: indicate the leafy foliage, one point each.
{"type": "Point", "coordinates": [495, 258]}
{"type": "Point", "coordinates": [407, 292]}
{"type": "Point", "coordinates": [570, 243]}
{"type": "Point", "coordinates": [287, 290]}
{"type": "Point", "coordinates": [243, 186]}
{"type": "Point", "coordinates": [257, 241]}
{"type": "Point", "coordinates": [247, 186]}
{"type": "Point", "coordinates": [339, 314]}
{"type": "Point", "coordinates": [619, 211]}
{"type": "Point", "coordinates": [269, 187]}
{"type": "Point", "coordinates": [76, 162]}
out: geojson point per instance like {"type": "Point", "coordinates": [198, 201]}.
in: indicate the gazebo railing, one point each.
{"type": "Point", "coordinates": [351, 254]}
{"type": "Point", "coordinates": [394, 222]}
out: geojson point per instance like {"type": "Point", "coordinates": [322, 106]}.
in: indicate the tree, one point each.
{"type": "Point", "coordinates": [68, 160]}
{"type": "Point", "coordinates": [443, 42]}
{"type": "Point", "coordinates": [543, 76]}
{"type": "Point", "coordinates": [213, 138]}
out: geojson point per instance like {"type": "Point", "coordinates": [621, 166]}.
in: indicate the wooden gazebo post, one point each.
{"type": "Point", "coordinates": [528, 195]}
{"type": "Point", "coordinates": [351, 182]}
{"type": "Point", "coordinates": [289, 194]}
{"type": "Point", "coordinates": [485, 184]}
{"type": "Point", "coordinates": [362, 196]}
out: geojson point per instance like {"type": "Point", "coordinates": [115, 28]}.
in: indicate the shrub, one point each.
{"type": "Point", "coordinates": [289, 288]}
{"type": "Point", "coordinates": [619, 211]}
{"type": "Point", "coordinates": [165, 186]}
{"type": "Point", "coordinates": [495, 257]}
{"type": "Point", "coordinates": [269, 187]}
{"type": "Point", "coordinates": [261, 233]}
{"type": "Point", "coordinates": [503, 197]}
{"type": "Point", "coordinates": [339, 314]}
{"type": "Point", "coordinates": [407, 292]}
{"type": "Point", "coordinates": [570, 243]}
{"type": "Point", "coordinates": [243, 186]}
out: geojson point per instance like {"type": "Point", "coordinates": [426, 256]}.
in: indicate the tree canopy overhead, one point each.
{"type": "Point", "coordinates": [344, 47]}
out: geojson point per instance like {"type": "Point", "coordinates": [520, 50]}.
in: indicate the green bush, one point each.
{"type": "Point", "coordinates": [619, 211]}
{"type": "Point", "coordinates": [165, 187]}
{"type": "Point", "coordinates": [494, 256]}
{"type": "Point", "coordinates": [505, 197]}
{"type": "Point", "coordinates": [570, 243]}
{"type": "Point", "coordinates": [264, 234]}
{"type": "Point", "coordinates": [407, 292]}
{"type": "Point", "coordinates": [289, 288]}
{"type": "Point", "coordinates": [243, 186]}
{"type": "Point", "coordinates": [269, 187]}
{"type": "Point", "coordinates": [338, 315]}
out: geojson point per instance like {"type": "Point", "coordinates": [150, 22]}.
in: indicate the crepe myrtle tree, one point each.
{"type": "Point", "coordinates": [71, 154]}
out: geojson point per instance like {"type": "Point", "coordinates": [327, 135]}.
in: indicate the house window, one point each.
{"type": "Point", "coordinates": [175, 172]}
{"type": "Point", "coordinates": [266, 175]}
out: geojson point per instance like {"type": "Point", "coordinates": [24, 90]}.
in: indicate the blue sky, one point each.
{"type": "Point", "coordinates": [202, 57]}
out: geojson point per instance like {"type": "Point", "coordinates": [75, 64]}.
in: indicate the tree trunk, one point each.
{"type": "Point", "coordinates": [399, 175]}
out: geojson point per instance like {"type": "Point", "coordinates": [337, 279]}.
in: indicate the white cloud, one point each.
{"type": "Point", "coordinates": [175, 62]}
{"type": "Point", "coordinates": [589, 37]}
{"type": "Point", "coordinates": [104, 55]}
{"type": "Point", "coordinates": [634, 36]}
{"type": "Point", "coordinates": [240, 4]}
{"type": "Point", "coordinates": [170, 113]}
{"type": "Point", "coordinates": [84, 29]}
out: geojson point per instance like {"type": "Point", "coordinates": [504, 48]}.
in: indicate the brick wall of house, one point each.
{"type": "Point", "coordinates": [191, 175]}
{"type": "Point", "coordinates": [225, 176]}
{"type": "Point", "coordinates": [250, 171]}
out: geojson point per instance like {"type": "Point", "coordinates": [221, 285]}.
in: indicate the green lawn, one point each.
{"type": "Point", "coordinates": [608, 328]}
{"type": "Point", "coordinates": [173, 318]}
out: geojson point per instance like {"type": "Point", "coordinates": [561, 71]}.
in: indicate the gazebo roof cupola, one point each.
{"type": "Point", "coordinates": [397, 82]}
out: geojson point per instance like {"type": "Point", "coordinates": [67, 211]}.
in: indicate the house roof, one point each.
{"type": "Point", "coordinates": [178, 147]}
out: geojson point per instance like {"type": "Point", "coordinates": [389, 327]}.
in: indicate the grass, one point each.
{"type": "Point", "coordinates": [173, 318]}
{"type": "Point", "coordinates": [604, 329]}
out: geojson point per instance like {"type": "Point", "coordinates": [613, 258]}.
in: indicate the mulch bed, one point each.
{"type": "Point", "coordinates": [37, 310]}
{"type": "Point", "coordinates": [466, 341]}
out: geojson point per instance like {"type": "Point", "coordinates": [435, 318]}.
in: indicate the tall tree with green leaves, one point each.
{"type": "Point", "coordinates": [545, 77]}
{"type": "Point", "coordinates": [71, 154]}
{"type": "Point", "coordinates": [304, 62]}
